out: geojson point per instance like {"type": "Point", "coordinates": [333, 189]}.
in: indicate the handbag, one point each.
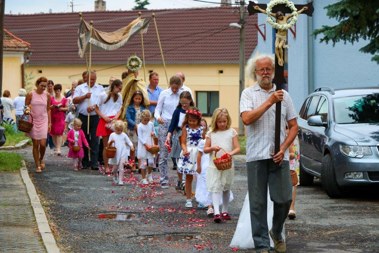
{"type": "Point", "coordinates": [24, 125]}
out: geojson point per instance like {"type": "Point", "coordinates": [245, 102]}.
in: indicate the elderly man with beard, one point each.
{"type": "Point", "coordinates": [265, 168]}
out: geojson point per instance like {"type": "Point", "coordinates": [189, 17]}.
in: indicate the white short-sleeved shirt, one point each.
{"type": "Point", "coordinates": [110, 108]}
{"type": "Point", "coordinates": [83, 89]}
{"type": "Point", "coordinates": [261, 134]}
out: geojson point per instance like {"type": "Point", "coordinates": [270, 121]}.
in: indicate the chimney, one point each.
{"type": "Point", "coordinates": [100, 5]}
{"type": "Point", "coordinates": [226, 3]}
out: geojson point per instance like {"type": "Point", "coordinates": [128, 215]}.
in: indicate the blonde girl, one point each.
{"type": "Point", "coordinates": [76, 138]}
{"type": "Point", "coordinates": [123, 145]}
{"type": "Point", "coordinates": [192, 134]}
{"type": "Point", "coordinates": [145, 141]}
{"type": "Point", "coordinates": [220, 136]}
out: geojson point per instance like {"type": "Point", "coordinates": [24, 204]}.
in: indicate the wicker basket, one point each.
{"type": "Point", "coordinates": [76, 148]}
{"type": "Point", "coordinates": [110, 150]}
{"type": "Point", "coordinates": [154, 149]}
{"type": "Point", "coordinates": [224, 162]}
{"type": "Point", "coordinates": [24, 125]}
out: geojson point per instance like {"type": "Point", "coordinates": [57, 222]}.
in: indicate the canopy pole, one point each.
{"type": "Point", "coordinates": [160, 47]}
{"type": "Point", "coordinates": [89, 88]}
{"type": "Point", "coordinates": [143, 51]}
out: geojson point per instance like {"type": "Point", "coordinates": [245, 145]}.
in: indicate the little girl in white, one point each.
{"type": "Point", "coordinates": [203, 197]}
{"type": "Point", "coordinates": [124, 146]}
{"type": "Point", "coordinates": [76, 138]}
{"type": "Point", "coordinates": [145, 131]}
{"type": "Point", "coordinates": [219, 182]}
{"type": "Point", "coordinates": [192, 133]}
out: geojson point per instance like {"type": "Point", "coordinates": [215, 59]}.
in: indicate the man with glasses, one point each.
{"type": "Point", "coordinates": [264, 166]}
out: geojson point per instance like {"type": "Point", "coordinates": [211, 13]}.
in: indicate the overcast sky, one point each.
{"type": "Point", "coordinates": [38, 6]}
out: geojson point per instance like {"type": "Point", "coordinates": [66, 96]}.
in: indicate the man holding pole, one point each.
{"type": "Point", "coordinates": [265, 167]}
{"type": "Point", "coordinates": [86, 97]}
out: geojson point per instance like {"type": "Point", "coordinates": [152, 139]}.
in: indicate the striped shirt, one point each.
{"type": "Point", "coordinates": [261, 133]}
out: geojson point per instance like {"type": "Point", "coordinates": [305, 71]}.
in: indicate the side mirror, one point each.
{"type": "Point", "coordinates": [316, 120]}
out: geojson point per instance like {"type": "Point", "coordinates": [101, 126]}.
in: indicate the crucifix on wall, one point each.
{"type": "Point", "coordinates": [281, 15]}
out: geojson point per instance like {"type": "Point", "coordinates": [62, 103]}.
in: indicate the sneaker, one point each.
{"type": "Point", "coordinates": [144, 181]}
{"type": "Point", "coordinates": [292, 215]}
{"type": "Point", "coordinates": [115, 180]}
{"type": "Point", "coordinates": [210, 212]}
{"type": "Point", "coordinates": [225, 216]}
{"type": "Point", "coordinates": [150, 178]}
{"type": "Point", "coordinates": [217, 218]}
{"type": "Point", "coordinates": [120, 183]}
{"type": "Point", "coordinates": [188, 203]}
{"type": "Point", "coordinates": [164, 185]}
{"type": "Point", "coordinates": [279, 245]}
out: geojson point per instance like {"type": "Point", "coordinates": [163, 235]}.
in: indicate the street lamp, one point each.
{"type": "Point", "coordinates": [241, 26]}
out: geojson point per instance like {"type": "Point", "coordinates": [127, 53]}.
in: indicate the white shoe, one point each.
{"type": "Point", "coordinates": [120, 183]}
{"type": "Point", "coordinates": [144, 181]}
{"type": "Point", "coordinates": [150, 178]}
{"type": "Point", "coordinates": [188, 203]}
{"type": "Point", "coordinates": [115, 180]}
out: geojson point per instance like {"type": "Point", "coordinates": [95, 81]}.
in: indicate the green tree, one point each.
{"type": "Point", "coordinates": [140, 4]}
{"type": "Point", "coordinates": [356, 20]}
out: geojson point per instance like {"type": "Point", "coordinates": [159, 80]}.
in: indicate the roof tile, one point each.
{"type": "Point", "coordinates": [188, 36]}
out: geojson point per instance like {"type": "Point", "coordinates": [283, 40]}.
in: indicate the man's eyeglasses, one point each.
{"type": "Point", "coordinates": [265, 70]}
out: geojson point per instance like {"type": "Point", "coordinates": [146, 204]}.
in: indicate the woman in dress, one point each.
{"type": "Point", "coordinates": [58, 108]}
{"type": "Point", "coordinates": [38, 106]}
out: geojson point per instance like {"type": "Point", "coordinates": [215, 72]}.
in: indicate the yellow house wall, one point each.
{"type": "Point", "coordinates": [12, 74]}
{"type": "Point", "coordinates": [206, 77]}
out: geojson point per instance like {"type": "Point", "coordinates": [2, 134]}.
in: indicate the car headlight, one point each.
{"type": "Point", "coordinates": [355, 151]}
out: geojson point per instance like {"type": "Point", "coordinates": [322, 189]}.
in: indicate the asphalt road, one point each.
{"type": "Point", "coordinates": [88, 214]}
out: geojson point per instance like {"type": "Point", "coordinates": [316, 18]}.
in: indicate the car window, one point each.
{"type": "Point", "coordinates": [322, 109]}
{"type": "Point", "coordinates": [312, 106]}
{"type": "Point", "coordinates": [357, 109]}
{"type": "Point", "coordinates": [303, 110]}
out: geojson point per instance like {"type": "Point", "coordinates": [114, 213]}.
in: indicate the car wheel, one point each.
{"type": "Point", "coordinates": [305, 178]}
{"type": "Point", "coordinates": [328, 178]}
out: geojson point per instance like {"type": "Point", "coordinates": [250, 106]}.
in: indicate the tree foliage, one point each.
{"type": "Point", "coordinates": [356, 20]}
{"type": "Point", "coordinates": [140, 4]}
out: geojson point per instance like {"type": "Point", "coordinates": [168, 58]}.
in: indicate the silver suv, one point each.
{"type": "Point", "coordinates": [339, 138]}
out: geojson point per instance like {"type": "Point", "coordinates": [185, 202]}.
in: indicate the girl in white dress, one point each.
{"type": "Point", "coordinates": [221, 136]}
{"type": "Point", "coordinates": [203, 197]}
{"type": "Point", "coordinates": [192, 134]}
{"type": "Point", "coordinates": [124, 146]}
{"type": "Point", "coordinates": [145, 131]}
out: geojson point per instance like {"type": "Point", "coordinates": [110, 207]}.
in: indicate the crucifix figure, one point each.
{"type": "Point", "coordinates": [281, 23]}
{"type": "Point", "coordinates": [281, 34]}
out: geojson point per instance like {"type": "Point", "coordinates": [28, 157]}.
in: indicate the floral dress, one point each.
{"type": "Point", "coordinates": [187, 164]}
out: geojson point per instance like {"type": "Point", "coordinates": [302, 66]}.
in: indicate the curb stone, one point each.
{"type": "Point", "coordinates": [19, 145]}
{"type": "Point", "coordinates": [40, 216]}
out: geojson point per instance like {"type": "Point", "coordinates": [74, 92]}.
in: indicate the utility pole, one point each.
{"type": "Point", "coordinates": [2, 8]}
{"type": "Point", "coordinates": [241, 60]}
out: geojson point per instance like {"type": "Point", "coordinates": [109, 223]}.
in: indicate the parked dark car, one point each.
{"type": "Point", "coordinates": [339, 138]}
